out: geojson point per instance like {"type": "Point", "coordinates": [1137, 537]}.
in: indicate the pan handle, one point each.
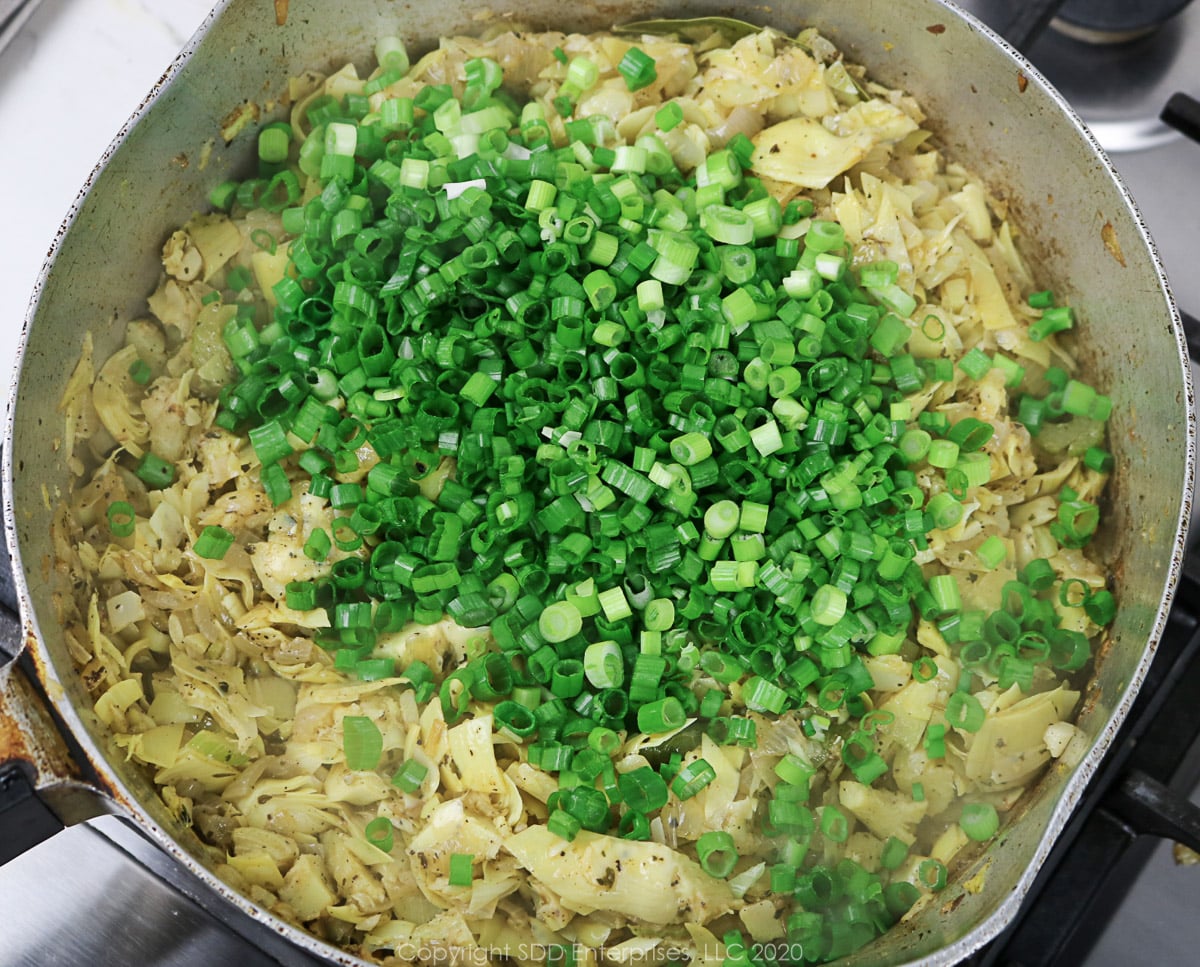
{"type": "Point", "coordinates": [1150, 807]}
{"type": "Point", "coordinates": [42, 787]}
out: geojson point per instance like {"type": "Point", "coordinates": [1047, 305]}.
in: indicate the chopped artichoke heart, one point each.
{"type": "Point", "coordinates": [884, 812]}
{"type": "Point", "coordinates": [176, 305]}
{"type": "Point", "coordinates": [112, 396]}
{"type": "Point", "coordinates": [259, 868]}
{"type": "Point", "coordinates": [269, 268]}
{"type": "Point", "coordinates": [209, 352]}
{"type": "Point", "coordinates": [1011, 745]}
{"type": "Point", "coordinates": [217, 239]}
{"type": "Point", "coordinates": [112, 705]}
{"type": "Point", "coordinates": [802, 151]}
{"type": "Point", "coordinates": [306, 890]}
{"type": "Point", "coordinates": [912, 706]}
{"type": "Point", "coordinates": [644, 880]}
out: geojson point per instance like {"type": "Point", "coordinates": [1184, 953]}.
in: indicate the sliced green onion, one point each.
{"type": "Point", "coordinates": [614, 604]}
{"type": "Point", "coordinates": [638, 69]}
{"type": "Point", "coordinates": [121, 517]}
{"type": "Point", "coordinates": [761, 695]}
{"type": "Point", "coordinates": [668, 116]}
{"type": "Point", "coordinates": [932, 874]}
{"type": "Point", "coordinates": [834, 824]}
{"type": "Point", "coordinates": [1098, 459]}
{"type": "Point", "coordinates": [391, 54]}
{"type": "Point", "coordinates": [410, 776]}
{"type": "Point", "coordinates": [462, 869]}
{"type": "Point", "coordinates": [828, 605]}
{"type": "Point", "coordinates": [634, 825]}
{"type": "Point", "coordinates": [992, 551]}
{"type": "Point", "coordinates": [213, 543]}
{"type": "Point", "coordinates": [963, 711]}
{"type": "Point", "coordinates": [895, 852]}
{"type": "Point", "coordinates": [1100, 606]}
{"type": "Point", "coordinates": [924, 669]}
{"type": "Point", "coordinates": [380, 833]}
{"type": "Point", "coordinates": [979, 821]}
{"type": "Point", "coordinates": [1054, 319]}
{"type": "Point", "coordinates": [663, 715]}
{"type": "Point", "coordinates": [603, 664]}
{"type": "Point", "coordinates": [140, 371]}
{"type": "Point", "coordinates": [716, 852]}
{"type": "Point", "coordinates": [560, 621]}
{"type": "Point", "coordinates": [515, 719]}
{"type": "Point", "coordinates": [642, 790]}
{"type": "Point", "coordinates": [582, 73]}
{"type": "Point", "coordinates": [692, 778]}
{"type": "Point", "coordinates": [362, 742]}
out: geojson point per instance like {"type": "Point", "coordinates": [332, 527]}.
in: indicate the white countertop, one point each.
{"type": "Point", "coordinates": [68, 81]}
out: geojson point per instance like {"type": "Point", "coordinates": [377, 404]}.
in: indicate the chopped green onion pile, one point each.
{"type": "Point", "coordinates": [682, 449]}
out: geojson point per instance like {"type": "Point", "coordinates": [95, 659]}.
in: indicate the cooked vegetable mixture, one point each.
{"type": "Point", "coordinates": [588, 498]}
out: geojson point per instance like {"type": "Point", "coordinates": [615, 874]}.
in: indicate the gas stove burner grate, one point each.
{"type": "Point", "coordinates": [1118, 87]}
{"type": "Point", "coordinates": [1183, 114]}
{"type": "Point", "coordinates": [1114, 21]}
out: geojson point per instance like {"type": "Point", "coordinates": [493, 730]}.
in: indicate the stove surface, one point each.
{"type": "Point", "coordinates": [99, 893]}
{"type": "Point", "coordinates": [127, 915]}
{"type": "Point", "coordinates": [1120, 90]}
